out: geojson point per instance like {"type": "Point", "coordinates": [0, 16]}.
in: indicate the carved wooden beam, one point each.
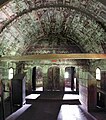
{"type": "Point", "coordinates": [52, 56]}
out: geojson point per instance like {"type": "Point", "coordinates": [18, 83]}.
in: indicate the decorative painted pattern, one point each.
{"type": "Point", "coordinates": [25, 24]}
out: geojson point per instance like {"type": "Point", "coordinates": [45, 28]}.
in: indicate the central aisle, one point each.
{"type": "Point", "coordinates": [53, 106]}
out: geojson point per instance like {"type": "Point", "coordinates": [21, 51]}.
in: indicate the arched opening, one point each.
{"type": "Point", "coordinates": [70, 80]}
{"type": "Point", "coordinates": [39, 79]}
{"type": "Point", "coordinates": [98, 77]}
{"type": "Point", "coordinates": [98, 74]}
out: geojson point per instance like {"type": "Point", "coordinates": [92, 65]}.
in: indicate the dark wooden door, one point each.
{"type": "Point", "coordinates": [53, 78]}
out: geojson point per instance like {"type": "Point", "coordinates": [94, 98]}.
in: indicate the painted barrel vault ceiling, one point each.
{"type": "Point", "coordinates": [29, 27]}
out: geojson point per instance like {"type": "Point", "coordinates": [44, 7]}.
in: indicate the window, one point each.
{"type": "Point", "coordinates": [98, 74]}
{"type": "Point", "coordinates": [11, 72]}
{"type": "Point", "coordinates": [66, 75]}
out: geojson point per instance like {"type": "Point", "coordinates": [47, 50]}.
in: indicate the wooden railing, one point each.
{"type": "Point", "coordinates": [101, 91]}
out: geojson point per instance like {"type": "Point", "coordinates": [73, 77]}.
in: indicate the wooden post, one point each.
{"type": "Point", "coordinates": [2, 100]}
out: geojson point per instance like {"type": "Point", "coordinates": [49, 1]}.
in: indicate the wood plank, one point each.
{"type": "Point", "coordinates": [53, 56]}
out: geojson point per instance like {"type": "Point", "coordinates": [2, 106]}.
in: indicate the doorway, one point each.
{"type": "Point", "coordinates": [37, 79]}
{"type": "Point", "coordinates": [70, 81]}
{"type": "Point", "coordinates": [101, 88]}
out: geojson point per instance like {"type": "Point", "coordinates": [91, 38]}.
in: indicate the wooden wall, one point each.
{"type": "Point", "coordinates": [83, 88]}
{"type": "Point", "coordinates": [83, 92]}
{"type": "Point", "coordinates": [92, 96]}
{"type": "Point", "coordinates": [92, 83]}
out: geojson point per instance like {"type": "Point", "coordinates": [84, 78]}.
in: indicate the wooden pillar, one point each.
{"type": "Point", "coordinates": [20, 67]}
{"type": "Point", "coordinates": [103, 80]}
{"type": "Point", "coordinates": [72, 77]}
{"type": "Point", "coordinates": [34, 79]}
{"type": "Point", "coordinates": [2, 100]}
{"type": "Point", "coordinates": [103, 88]}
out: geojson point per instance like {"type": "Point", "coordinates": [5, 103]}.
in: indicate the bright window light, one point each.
{"type": "Point", "coordinates": [98, 74]}
{"type": "Point", "coordinates": [10, 73]}
{"type": "Point", "coordinates": [66, 75]}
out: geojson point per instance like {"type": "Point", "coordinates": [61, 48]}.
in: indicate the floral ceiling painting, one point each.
{"type": "Point", "coordinates": [29, 27]}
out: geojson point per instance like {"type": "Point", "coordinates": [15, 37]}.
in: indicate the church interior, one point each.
{"type": "Point", "coordinates": [52, 59]}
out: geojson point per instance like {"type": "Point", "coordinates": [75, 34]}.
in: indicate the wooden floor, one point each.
{"type": "Point", "coordinates": [73, 112]}
{"type": "Point", "coordinates": [99, 115]}
{"type": "Point", "coordinates": [51, 111]}
{"type": "Point", "coordinates": [46, 107]}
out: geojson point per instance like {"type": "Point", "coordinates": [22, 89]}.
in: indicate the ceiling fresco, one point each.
{"type": "Point", "coordinates": [52, 26]}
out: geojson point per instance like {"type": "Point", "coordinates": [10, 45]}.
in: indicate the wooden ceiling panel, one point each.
{"type": "Point", "coordinates": [23, 23]}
